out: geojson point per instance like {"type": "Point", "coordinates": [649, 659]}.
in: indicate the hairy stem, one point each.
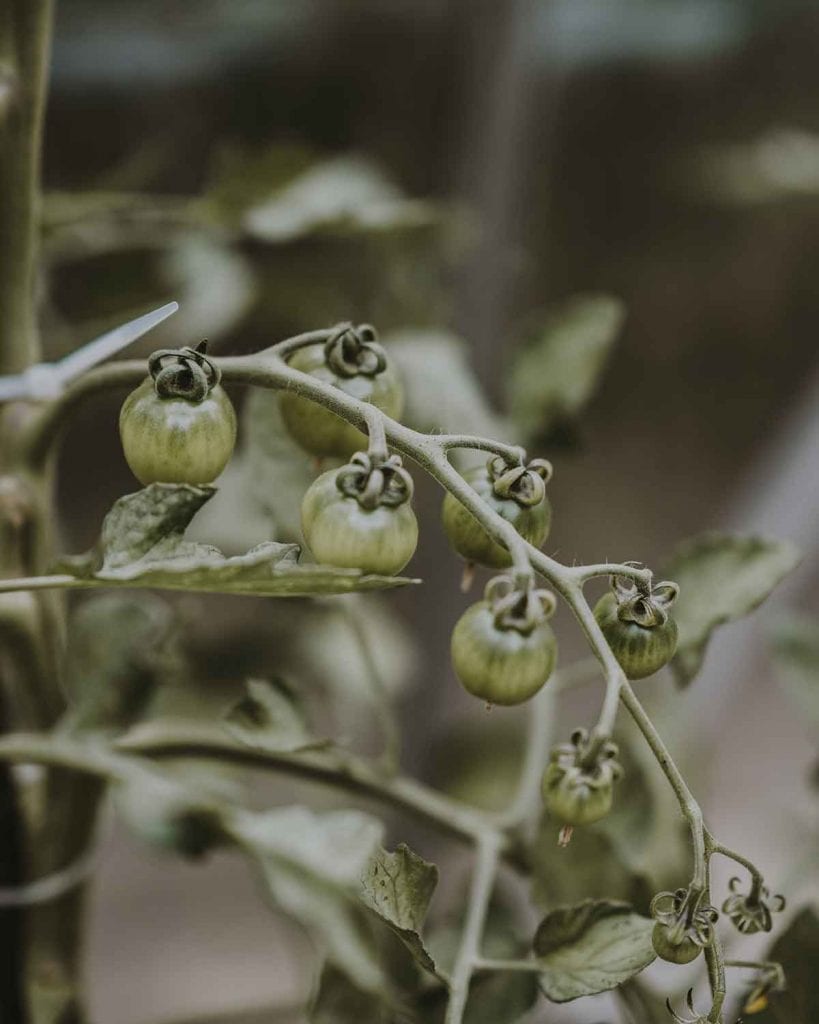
{"type": "Point", "coordinates": [688, 805]}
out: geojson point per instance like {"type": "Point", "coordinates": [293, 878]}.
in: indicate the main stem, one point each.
{"type": "Point", "coordinates": [25, 42]}
{"type": "Point", "coordinates": [25, 45]}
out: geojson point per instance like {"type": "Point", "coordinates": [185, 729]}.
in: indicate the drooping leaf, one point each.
{"type": "Point", "coordinates": [116, 655]}
{"type": "Point", "coordinates": [553, 378]}
{"type": "Point", "coordinates": [721, 577]}
{"type": "Point", "coordinates": [397, 887]}
{"type": "Point", "coordinates": [797, 950]}
{"type": "Point", "coordinates": [142, 545]}
{"type": "Point", "coordinates": [591, 947]}
{"type": "Point", "coordinates": [346, 194]}
{"type": "Point", "coordinates": [796, 656]}
{"type": "Point", "coordinates": [312, 865]}
{"type": "Point", "coordinates": [269, 717]}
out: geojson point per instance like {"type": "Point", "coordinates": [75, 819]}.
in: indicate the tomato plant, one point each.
{"type": "Point", "coordinates": [165, 702]}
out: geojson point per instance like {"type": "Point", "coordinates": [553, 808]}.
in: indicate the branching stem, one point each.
{"type": "Point", "coordinates": [269, 369]}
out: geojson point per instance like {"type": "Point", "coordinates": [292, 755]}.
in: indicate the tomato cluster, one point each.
{"type": "Point", "coordinates": [179, 427]}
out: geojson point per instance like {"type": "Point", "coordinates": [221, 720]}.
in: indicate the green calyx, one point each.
{"type": "Point", "coordinates": [184, 373]}
{"type": "Point", "coordinates": [646, 607]}
{"type": "Point", "coordinates": [520, 609]}
{"type": "Point", "coordinates": [354, 351]}
{"type": "Point", "coordinates": [375, 482]}
{"type": "Point", "coordinates": [524, 484]}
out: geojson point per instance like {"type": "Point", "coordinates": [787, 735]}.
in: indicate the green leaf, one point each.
{"type": "Point", "coordinates": [442, 392]}
{"type": "Point", "coordinates": [553, 378]}
{"type": "Point", "coordinates": [338, 1001]}
{"type": "Point", "coordinates": [312, 865]}
{"type": "Point", "coordinates": [796, 656]}
{"type": "Point", "coordinates": [116, 655]}
{"type": "Point", "coordinates": [591, 947]}
{"type": "Point", "coordinates": [722, 577]}
{"type": "Point", "coordinates": [269, 717]}
{"type": "Point", "coordinates": [398, 887]}
{"type": "Point", "coordinates": [347, 194]}
{"type": "Point", "coordinates": [142, 545]}
{"type": "Point", "coordinates": [591, 866]}
{"type": "Point", "coordinates": [797, 950]}
{"type": "Point", "coordinates": [169, 814]}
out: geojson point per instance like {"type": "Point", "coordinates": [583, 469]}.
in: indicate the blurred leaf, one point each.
{"type": "Point", "coordinates": [796, 656]}
{"type": "Point", "coordinates": [142, 545]}
{"type": "Point", "coordinates": [442, 391]}
{"type": "Point", "coordinates": [313, 865]}
{"type": "Point", "coordinates": [115, 657]}
{"type": "Point", "coordinates": [344, 194]}
{"type": "Point", "coordinates": [780, 163]}
{"type": "Point", "coordinates": [213, 283]}
{"type": "Point", "coordinates": [722, 577]}
{"type": "Point", "coordinates": [169, 814]}
{"type": "Point", "coordinates": [494, 998]}
{"type": "Point", "coordinates": [240, 177]}
{"type": "Point", "coordinates": [475, 771]}
{"type": "Point", "coordinates": [270, 454]}
{"type": "Point", "coordinates": [591, 947]}
{"type": "Point", "coordinates": [269, 717]}
{"type": "Point", "coordinates": [590, 867]}
{"type": "Point", "coordinates": [338, 1001]}
{"type": "Point", "coordinates": [398, 888]}
{"type": "Point", "coordinates": [797, 950]}
{"type": "Point", "coordinates": [328, 648]}
{"type": "Point", "coordinates": [500, 998]}
{"type": "Point", "coordinates": [554, 378]}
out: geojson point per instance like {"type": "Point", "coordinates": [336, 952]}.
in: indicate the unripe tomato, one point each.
{"type": "Point", "coordinates": [498, 662]}
{"type": "Point", "coordinates": [340, 531]}
{"type": "Point", "coordinates": [639, 629]}
{"type": "Point", "coordinates": [170, 438]}
{"type": "Point", "coordinates": [674, 952]}
{"type": "Point", "coordinates": [531, 518]}
{"type": "Point", "coordinates": [578, 784]}
{"type": "Point", "coordinates": [575, 797]}
{"type": "Point", "coordinates": [316, 429]}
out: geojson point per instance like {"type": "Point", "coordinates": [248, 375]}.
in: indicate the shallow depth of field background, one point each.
{"type": "Point", "coordinates": [665, 152]}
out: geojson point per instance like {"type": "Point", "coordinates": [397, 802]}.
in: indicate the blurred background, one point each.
{"type": "Point", "coordinates": [458, 173]}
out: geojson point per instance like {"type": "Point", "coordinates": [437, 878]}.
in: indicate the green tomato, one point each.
{"type": "Point", "coordinates": [640, 650]}
{"type": "Point", "coordinates": [682, 952]}
{"type": "Point", "coordinates": [574, 797]}
{"type": "Point", "coordinates": [471, 540]}
{"type": "Point", "coordinates": [340, 532]}
{"type": "Point", "coordinates": [501, 666]}
{"type": "Point", "coordinates": [319, 431]}
{"type": "Point", "coordinates": [174, 440]}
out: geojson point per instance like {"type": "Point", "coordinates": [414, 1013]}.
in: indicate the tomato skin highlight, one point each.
{"type": "Point", "coordinates": [501, 666]}
{"type": "Point", "coordinates": [340, 532]}
{"type": "Point", "coordinates": [640, 650]}
{"type": "Point", "coordinates": [470, 539]}
{"type": "Point", "coordinates": [174, 440]}
{"type": "Point", "coordinates": [319, 431]}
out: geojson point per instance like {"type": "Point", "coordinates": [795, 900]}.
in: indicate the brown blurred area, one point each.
{"type": "Point", "coordinates": [589, 141]}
